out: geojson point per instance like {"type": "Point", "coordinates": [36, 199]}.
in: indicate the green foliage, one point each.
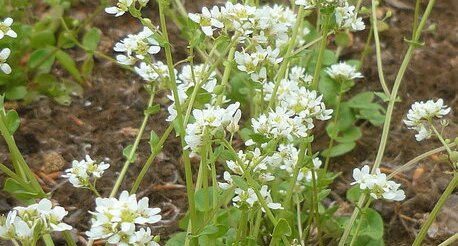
{"type": "Point", "coordinates": [43, 44]}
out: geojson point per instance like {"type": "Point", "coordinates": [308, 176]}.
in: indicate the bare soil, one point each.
{"type": "Point", "coordinates": [106, 118]}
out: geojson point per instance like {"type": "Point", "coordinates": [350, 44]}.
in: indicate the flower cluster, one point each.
{"type": "Point", "coordinates": [421, 114]}
{"type": "Point", "coordinates": [249, 197]}
{"type": "Point", "coordinates": [377, 184]}
{"type": "Point", "coordinates": [118, 220]}
{"type": "Point", "coordinates": [157, 71]}
{"type": "Point", "coordinates": [136, 47]}
{"type": "Point", "coordinates": [197, 76]}
{"type": "Point", "coordinates": [28, 224]}
{"type": "Point", "coordinates": [5, 30]}
{"type": "Point", "coordinates": [297, 108]}
{"type": "Point", "coordinates": [344, 14]}
{"type": "Point", "coordinates": [84, 173]}
{"type": "Point", "coordinates": [209, 121]}
{"type": "Point", "coordinates": [343, 72]}
{"type": "Point", "coordinates": [255, 64]}
{"type": "Point", "coordinates": [123, 6]}
{"type": "Point", "coordinates": [264, 25]}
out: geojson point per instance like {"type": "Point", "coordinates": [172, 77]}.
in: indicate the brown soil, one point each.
{"type": "Point", "coordinates": [105, 120]}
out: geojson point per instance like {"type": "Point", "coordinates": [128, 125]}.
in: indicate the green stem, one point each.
{"type": "Point", "coordinates": [299, 221]}
{"type": "Point", "coordinates": [352, 220]}
{"type": "Point", "coordinates": [319, 62]}
{"type": "Point", "coordinates": [424, 229]}
{"type": "Point", "coordinates": [331, 142]}
{"type": "Point", "coordinates": [360, 222]}
{"type": "Point", "coordinates": [287, 57]}
{"type": "Point", "coordinates": [227, 73]}
{"type": "Point", "coordinates": [389, 112]}
{"type": "Point", "coordinates": [181, 131]}
{"type": "Point", "coordinates": [149, 161]}
{"type": "Point", "coordinates": [450, 240]}
{"type": "Point", "coordinates": [132, 152]}
{"type": "Point", "coordinates": [293, 180]}
{"type": "Point", "coordinates": [19, 164]}
{"type": "Point", "coordinates": [416, 16]}
{"type": "Point", "coordinates": [378, 49]}
{"type": "Point", "coordinates": [417, 159]}
{"type": "Point", "coordinates": [257, 224]}
{"type": "Point", "coordinates": [315, 201]}
{"type": "Point", "coordinates": [441, 139]}
{"type": "Point", "coordinates": [242, 226]}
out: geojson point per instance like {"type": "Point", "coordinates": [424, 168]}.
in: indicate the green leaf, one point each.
{"type": "Point", "coordinates": [200, 199]}
{"type": "Point", "coordinates": [126, 153]}
{"type": "Point", "coordinates": [372, 224]}
{"type": "Point", "coordinates": [16, 93]}
{"type": "Point", "coordinates": [42, 59]}
{"type": "Point", "coordinates": [372, 115]}
{"type": "Point", "coordinates": [354, 193]}
{"type": "Point", "coordinates": [282, 228]}
{"type": "Point", "coordinates": [343, 39]}
{"type": "Point", "coordinates": [87, 67]}
{"type": "Point", "coordinates": [67, 62]}
{"type": "Point", "coordinates": [329, 88]}
{"type": "Point", "coordinates": [361, 99]}
{"type": "Point", "coordinates": [153, 109]}
{"type": "Point", "coordinates": [65, 40]}
{"type": "Point", "coordinates": [91, 39]}
{"type": "Point", "coordinates": [12, 121]}
{"type": "Point", "coordinates": [20, 192]}
{"type": "Point", "coordinates": [346, 117]}
{"type": "Point", "coordinates": [42, 39]}
{"type": "Point", "coordinates": [350, 135]}
{"type": "Point", "coordinates": [240, 182]}
{"type": "Point", "coordinates": [153, 141]}
{"type": "Point", "coordinates": [177, 239]}
{"type": "Point", "coordinates": [202, 97]}
{"type": "Point", "coordinates": [339, 149]}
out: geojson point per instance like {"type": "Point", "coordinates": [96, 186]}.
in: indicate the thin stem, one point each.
{"type": "Point", "coordinates": [132, 152]}
{"type": "Point", "coordinates": [378, 49]}
{"type": "Point", "coordinates": [315, 202]}
{"type": "Point", "coordinates": [319, 62]}
{"type": "Point", "coordinates": [360, 222]}
{"type": "Point", "coordinates": [416, 16]}
{"type": "Point", "coordinates": [15, 242]}
{"type": "Point", "coordinates": [441, 139]}
{"type": "Point", "coordinates": [450, 240]}
{"type": "Point", "coordinates": [424, 229]}
{"type": "Point", "coordinates": [149, 161]}
{"type": "Point", "coordinates": [297, 168]}
{"type": "Point", "coordinates": [331, 142]}
{"type": "Point", "coordinates": [227, 73]}
{"type": "Point", "coordinates": [417, 159]}
{"type": "Point", "coordinates": [173, 85]}
{"type": "Point", "coordinates": [352, 220]}
{"type": "Point", "coordinates": [287, 57]}
{"type": "Point", "coordinates": [299, 221]}
{"type": "Point", "coordinates": [389, 112]}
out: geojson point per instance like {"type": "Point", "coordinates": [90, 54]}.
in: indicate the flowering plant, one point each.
{"type": "Point", "coordinates": [247, 111]}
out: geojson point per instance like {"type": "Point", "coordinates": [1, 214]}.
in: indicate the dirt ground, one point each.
{"type": "Point", "coordinates": [106, 118]}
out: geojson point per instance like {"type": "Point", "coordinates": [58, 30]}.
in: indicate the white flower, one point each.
{"type": "Point", "coordinates": [5, 28]}
{"type": "Point", "coordinates": [27, 224]}
{"type": "Point", "coordinates": [137, 46]}
{"type": "Point", "coordinates": [209, 121]}
{"type": "Point", "coordinates": [422, 113]}
{"type": "Point", "coordinates": [121, 7]}
{"type": "Point", "coordinates": [307, 4]}
{"type": "Point", "coordinates": [346, 18]}
{"type": "Point", "coordinates": [117, 219]}
{"type": "Point", "coordinates": [377, 184]}
{"type": "Point", "coordinates": [343, 72]}
{"type": "Point", "coordinates": [152, 72]}
{"type": "Point", "coordinates": [298, 74]}
{"type": "Point", "coordinates": [228, 179]}
{"type": "Point", "coordinates": [207, 20]}
{"type": "Point", "coordinates": [4, 54]}
{"type": "Point", "coordinates": [83, 173]}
